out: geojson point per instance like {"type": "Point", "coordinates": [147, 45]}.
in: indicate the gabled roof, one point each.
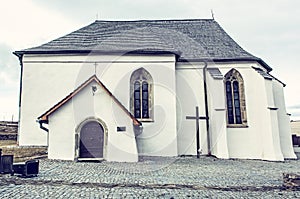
{"type": "Point", "coordinates": [190, 40]}
{"type": "Point", "coordinates": [44, 116]}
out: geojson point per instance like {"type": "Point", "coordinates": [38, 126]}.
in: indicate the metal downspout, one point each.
{"type": "Point", "coordinates": [20, 93]}
{"type": "Point", "coordinates": [206, 108]}
{"type": "Point", "coordinates": [41, 122]}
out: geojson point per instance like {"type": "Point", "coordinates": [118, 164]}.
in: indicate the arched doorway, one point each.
{"type": "Point", "coordinates": [91, 140]}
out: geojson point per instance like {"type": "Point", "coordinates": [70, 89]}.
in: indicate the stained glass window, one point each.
{"type": "Point", "coordinates": [235, 99]}
{"type": "Point", "coordinates": [142, 94]}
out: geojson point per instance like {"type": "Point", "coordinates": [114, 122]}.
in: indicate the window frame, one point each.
{"type": "Point", "coordinates": [141, 77]}
{"type": "Point", "coordinates": [236, 114]}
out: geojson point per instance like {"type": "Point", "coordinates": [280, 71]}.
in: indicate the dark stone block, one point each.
{"type": "Point", "coordinates": [29, 168]}
{"type": "Point", "coordinates": [6, 164]}
{"type": "Point", "coordinates": [291, 181]}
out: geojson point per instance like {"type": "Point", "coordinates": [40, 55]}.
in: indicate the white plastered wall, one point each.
{"type": "Point", "coordinates": [47, 79]}
{"type": "Point", "coordinates": [190, 93]}
{"type": "Point", "coordinates": [271, 149]}
{"type": "Point", "coordinates": [259, 140]}
{"type": "Point", "coordinates": [62, 134]}
{"type": "Point", "coordinates": [64, 124]}
{"type": "Point", "coordinates": [217, 116]}
{"type": "Point", "coordinates": [159, 137]}
{"type": "Point", "coordinates": [284, 122]}
{"type": "Point", "coordinates": [43, 85]}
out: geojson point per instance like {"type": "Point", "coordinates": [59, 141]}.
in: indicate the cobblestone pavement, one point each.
{"type": "Point", "coordinates": [182, 177]}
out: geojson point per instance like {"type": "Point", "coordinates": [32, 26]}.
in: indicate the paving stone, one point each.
{"type": "Point", "coordinates": [185, 177]}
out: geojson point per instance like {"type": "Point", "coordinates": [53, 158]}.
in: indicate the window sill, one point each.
{"type": "Point", "coordinates": [145, 120]}
{"type": "Point", "coordinates": [237, 126]}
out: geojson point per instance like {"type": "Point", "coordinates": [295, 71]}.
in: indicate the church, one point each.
{"type": "Point", "coordinates": [118, 90]}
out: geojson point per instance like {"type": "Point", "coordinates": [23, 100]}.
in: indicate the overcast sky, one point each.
{"type": "Point", "coordinates": [269, 29]}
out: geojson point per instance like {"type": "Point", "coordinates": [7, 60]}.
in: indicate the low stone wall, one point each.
{"type": "Point", "coordinates": [8, 136]}
{"type": "Point", "coordinates": [8, 130]}
{"type": "Point", "coordinates": [9, 127]}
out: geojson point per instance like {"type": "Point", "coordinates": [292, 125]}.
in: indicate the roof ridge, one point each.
{"type": "Point", "coordinates": [154, 20]}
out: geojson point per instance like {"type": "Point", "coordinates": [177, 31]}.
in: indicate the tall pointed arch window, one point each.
{"type": "Point", "coordinates": [141, 92]}
{"type": "Point", "coordinates": [235, 99]}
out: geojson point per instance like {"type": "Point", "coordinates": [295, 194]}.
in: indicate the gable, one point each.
{"type": "Point", "coordinates": [44, 117]}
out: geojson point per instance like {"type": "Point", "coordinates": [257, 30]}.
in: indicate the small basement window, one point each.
{"type": "Point", "coordinates": [121, 128]}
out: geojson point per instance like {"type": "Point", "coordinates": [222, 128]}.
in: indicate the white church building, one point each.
{"type": "Point", "coordinates": [117, 90]}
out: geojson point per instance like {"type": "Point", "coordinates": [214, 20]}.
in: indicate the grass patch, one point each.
{"type": "Point", "coordinates": [4, 143]}
{"type": "Point", "coordinates": [21, 154]}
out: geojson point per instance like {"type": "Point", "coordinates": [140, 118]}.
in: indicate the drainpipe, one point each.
{"type": "Point", "coordinates": [21, 82]}
{"type": "Point", "coordinates": [41, 122]}
{"type": "Point", "coordinates": [20, 56]}
{"type": "Point", "coordinates": [206, 108]}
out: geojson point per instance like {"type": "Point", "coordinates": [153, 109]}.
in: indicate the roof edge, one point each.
{"type": "Point", "coordinates": [35, 52]}
{"type": "Point", "coordinates": [140, 51]}
{"type": "Point", "coordinates": [260, 61]}
{"type": "Point", "coordinates": [44, 116]}
{"type": "Point", "coordinates": [148, 20]}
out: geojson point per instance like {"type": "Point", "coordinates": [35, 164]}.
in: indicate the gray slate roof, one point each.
{"type": "Point", "coordinates": [191, 40]}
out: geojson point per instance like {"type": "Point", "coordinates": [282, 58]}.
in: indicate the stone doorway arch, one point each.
{"type": "Point", "coordinates": [91, 139]}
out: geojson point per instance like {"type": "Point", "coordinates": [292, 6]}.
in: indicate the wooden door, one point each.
{"type": "Point", "coordinates": [91, 140]}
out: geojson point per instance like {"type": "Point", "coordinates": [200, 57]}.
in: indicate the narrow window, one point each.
{"type": "Point", "coordinates": [141, 91]}
{"type": "Point", "coordinates": [145, 100]}
{"type": "Point", "coordinates": [235, 99]}
{"type": "Point", "coordinates": [137, 100]}
{"type": "Point", "coordinates": [229, 103]}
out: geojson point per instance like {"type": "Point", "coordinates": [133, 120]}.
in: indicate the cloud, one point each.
{"type": "Point", "coordinates": [86, 10]}
{"type": "Point", "coordinates": [25, 24]}
{"type": "Point", "coordinates": [6, 56]}
{"type": "Point", "coordinates": [6, 81]}
{"type": "Point", "coordinates": [9, 105]}
{"type": "Point", "coordinates": [9, 68]}
{"type": "Point", "coordinates": [9, 83]}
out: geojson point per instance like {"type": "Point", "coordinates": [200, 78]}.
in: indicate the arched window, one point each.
{"type": "Point", "coordinates": [235, 99]}
{"type": "Point", "coordinates": [141, 92]}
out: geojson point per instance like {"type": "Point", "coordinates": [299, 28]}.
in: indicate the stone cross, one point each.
{"type": "Point", "coordinates": [197, 118]}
